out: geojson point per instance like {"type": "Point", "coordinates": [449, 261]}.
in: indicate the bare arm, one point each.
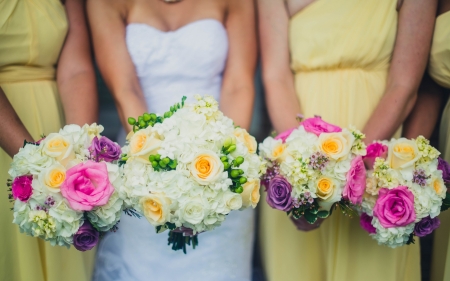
{"type": "Point", "coordinates": [238, 87]}
{"type": "Point", "coordinates": [13, 131]}
{"type": "Point", "coordinates": [106, 18]}
{"type": "Point", "coordinates": [425, 114]}
{"type": "Point", "coordinates": [412, 46]}
{"type": "Point", "coordinates": [75, 72]}
{"type": "Point", "coordinates": [278, 79]}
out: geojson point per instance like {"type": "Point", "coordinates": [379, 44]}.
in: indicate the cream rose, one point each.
{"type": "Point", "coordinates": [206, 167]}
{"type": "Point", "coordinates": [328, 192]}
{"type": "Point", "coordinates": [53, 177]}
{"type": "Point", "coordinates": [250, 195]}
{"type": "Point", "coordinates": [144, 143]}
{"type": "Point", "coordinates": [232, 201]}
{"type": "Point", "coordinates": [336, 145]}
{"type": "Point", "coordinates": [57, 146]}
{"type": "Point", "coordinates": [249, 141]}
{"type": "Point", "coordinates": [403, 153]}
{"type": "Point", "coordinates": [439, 187]}
{"type": "Point", "coordinates": [156, 208]}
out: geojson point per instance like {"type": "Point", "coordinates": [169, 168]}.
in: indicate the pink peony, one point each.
{"type": "Point", "coordinates": [87, 185]}
{"type": "Point", "coordinates": [284, 135]}
{"type": "Point", "coordinates": [375, 150]}
{"type": "Point", "coordinates": [356, 181]}
{"type": "Point", "coordinates": [21, 188]}
{"type": "Point", "coordinates": [366, 223]}
{"type": "Point", "coordinates": [395, 207]}
{"type": "Point", "coordinates": [317, 126]}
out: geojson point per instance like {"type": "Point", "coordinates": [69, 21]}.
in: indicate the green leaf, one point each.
{"type": "Point", "coordinates": [411, 239]}
{"type": "Point", "coordinates": [446, 202]}
{"type": "Point", "coordinates": [323, 214]}
{"type": "Point", "coordinates": [310, 217]}
{"type": "Point", "coordinates": [314, 210]}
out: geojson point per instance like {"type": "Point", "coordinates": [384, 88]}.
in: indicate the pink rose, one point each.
{"type": "Point", "coordinates": [395, 207]}
{"type": "Point", "coordinates": [356, 181]}
{"type": "Point", "coordinates": [317, 126]}
{"type": "Point", "coordinates": [87, 185]}
{"type": "Point", "coordinates": [284, 135]}
{"type": "Point", "coordinates": [375, 150]}
{"type": "Point", "coordinates": [21, 188]}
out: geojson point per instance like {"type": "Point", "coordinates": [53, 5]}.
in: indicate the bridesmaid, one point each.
{"type": "Point", "coordinates": [422, 121]}
{"type": "Point", "coordinates": [354, 63]}
{"type": "Point", "coordinates": [35, 36]}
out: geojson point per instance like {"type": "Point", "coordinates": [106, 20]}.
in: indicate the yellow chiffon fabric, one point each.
{"type": "Point", "coordinates": [340, 52]}
{"type": "Point", "coordinates": [32, 33]}
{"type": "Point", "coordinates": [439, 69]}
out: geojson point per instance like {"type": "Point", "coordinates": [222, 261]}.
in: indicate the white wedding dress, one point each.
{"type": "Point", "coordinates": [170, 65]}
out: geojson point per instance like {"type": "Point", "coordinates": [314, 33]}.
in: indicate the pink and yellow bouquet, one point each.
{"type": "Point", "coordinates": [313, 168]}
{"type": "Point", "coordinates": [405, 190]}
{"type": "Point", "coordinates": [64, 187]}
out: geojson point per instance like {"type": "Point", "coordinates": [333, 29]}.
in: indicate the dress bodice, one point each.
{"type": "Point", "coordinates": [32, 34]}
{"type": "Point", "coordinates": [187, 61]}
{"type": "Point", "coordinates": [345, 34]}
{"type": "Point", "coordinates": [439, 67]}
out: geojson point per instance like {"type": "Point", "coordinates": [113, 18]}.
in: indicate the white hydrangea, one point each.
{"type": "Point", "coordinates": [392, 237]}
{"type": "Point", "coordinates": [29, 160]}
{"type": "Point", "coordinates": [106, 216]}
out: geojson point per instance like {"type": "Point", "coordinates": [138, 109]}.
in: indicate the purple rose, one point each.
{"type": "Point", "coordinates": [86, 237]}
{"type": "Point", "coordinates": [445, 168]}
{"type": "Point", "coordinates": [21, 188]}
{"type": "Point", "coordinates": [426, 226]}
{"type": "Point", "coordinates": [366, 223]}
{"type": "Point", "coordinates": [279, 194]}
{"type": "Point", "coordinates": [104, 149]}
{"type": "Point", "coordinates": [395, 207]}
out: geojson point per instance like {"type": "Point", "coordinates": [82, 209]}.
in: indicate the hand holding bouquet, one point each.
{"type": "Point", "coordinates": [64, 187]}
{"type": "Point", "coordinates": [313, 168]}
{"type": "Point", "coordinates": [405, 191]}
{"type": "Point", "coordinates": [186, 170]}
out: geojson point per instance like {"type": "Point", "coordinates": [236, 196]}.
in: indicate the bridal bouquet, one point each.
{"type": "Point", "coordinates": [64, 187]}
{"type": "Point", "coordinates": [186, 170]}
{"type": "Point", "coordinates": [405, 191]}
{"type": "Point", "coordinates": [313, 168]}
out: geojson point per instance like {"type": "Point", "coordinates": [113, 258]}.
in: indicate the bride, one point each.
{"type": "Point", "coordinates": [151, 53]}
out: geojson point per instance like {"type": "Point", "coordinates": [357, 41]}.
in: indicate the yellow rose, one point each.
{"type": "Point", "coordinates": [250, 195]}
{"type": "Point", "coordinates": [403, 153]}
{"type": "Point", "coordinates": [53, 177]}
{"type": "Point", "coordinates": [249, 141]}
{"type": "Point", "coordinates": [325, 188]}
{"type": "Point", "coordinates": [59, 147]}
{"type": "Point", "coordinates": [438, 185]}
{"type": "Point", "coordinates": [156, 208]}
{"type": "Point", "coordinates": [206, 167]}
{"type": "Point", "coordinates": [336, 145]}
{"type": "Point", "coordinates": [279, 152]}
{"type": "Point", "coordinates": [144, 143]}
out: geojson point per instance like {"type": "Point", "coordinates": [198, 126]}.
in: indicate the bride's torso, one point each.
{"type": "Point", "coordinates": [187, 61]}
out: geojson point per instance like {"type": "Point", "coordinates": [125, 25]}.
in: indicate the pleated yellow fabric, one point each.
{"type": "Point", "coordinates": [31, 37]}
{"type": "Point", "coordinates": [439, 69]}
{"type": "Point", "coordinates": [340, 52]}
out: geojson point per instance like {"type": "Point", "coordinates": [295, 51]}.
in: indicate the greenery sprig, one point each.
{"type": "Point", "coordinates": [162, 164]}
{"type": "Point", "coordinates": [233, 167]}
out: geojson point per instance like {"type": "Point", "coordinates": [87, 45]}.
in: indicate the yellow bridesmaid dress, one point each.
{"type": "Point", "coordinates": [340, 52]}
{"type": "Point", "coordinates": [439, 69]}
{"type": "Point", "coordinates": [32, 33]}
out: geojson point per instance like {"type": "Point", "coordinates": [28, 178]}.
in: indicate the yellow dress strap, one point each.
{"type": "Point", "coordinates": [22, 73]}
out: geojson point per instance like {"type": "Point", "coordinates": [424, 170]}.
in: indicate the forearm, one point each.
{"type": "Point", "coordinates": [389, 114]}
{"type": "Point", "coordinates": [13, 132]}
{"type": "Point", "coordinates": [282, 105]}
{"type": "Point", "coordinates": [237, 104]}
{"type": "Point", "coordinates": [426, 111]}
{"type": "Point", "coordinates": [79, 98]}
{"type": "Point", "coordinates": [132, 106]}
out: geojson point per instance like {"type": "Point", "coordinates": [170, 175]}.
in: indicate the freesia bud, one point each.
{"type": "Point", "coordinates": [131, 121]}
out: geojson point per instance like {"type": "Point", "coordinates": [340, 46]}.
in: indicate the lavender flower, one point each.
{"type": "Point", "coordinates": [318, 161]}
{"type": "Point", "coordinates": [420, 177]}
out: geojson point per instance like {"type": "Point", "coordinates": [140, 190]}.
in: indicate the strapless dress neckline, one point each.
{"type": "Point", "coordinates": [188, 25]}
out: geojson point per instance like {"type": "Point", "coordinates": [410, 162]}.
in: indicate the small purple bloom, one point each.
{"type": "Point", "coordinates": [445, 168]}
{"type": "Point", "coordinates": [366, 223]}
{"type": "Point", "coordinates": [426, 226]}
{"type": "Point", "coordinates": [279, 194]}
{"type": "Point", "coordinates": [318, 161]}
{"type": "Point", "coordinates": [86, 237]}
{"type": "Point", "coordinates": [104, 149]}
{"type": "Point", "coordinates": [420, 178]}
{"type": "Point", "coordinates": [21, 188]}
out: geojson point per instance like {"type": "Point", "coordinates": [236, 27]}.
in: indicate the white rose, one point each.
{"type": "Point", "coordinates": [233, 201]}
{"type": "Point", "coordinates": [206, 167]}
{"type": "Point", "coordinates": [193, 211]}
{"type": "Point", "coordinates": [59, 147]}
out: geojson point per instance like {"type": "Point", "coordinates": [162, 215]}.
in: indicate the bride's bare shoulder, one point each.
{"type": "Point", "coordinates": [119, 6]}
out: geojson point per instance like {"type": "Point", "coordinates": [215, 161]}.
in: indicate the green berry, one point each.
{"type": "Point", "coordinates": [162, 164]}
{"type": "Point", "coordinates": [153, 116]}
{"type": "Point", "coordinates": [231, 148]}
{"type": "Point", "coordinates": [154, 164]}
{"type": "Point", "coordinates": [223, 158]}
{"type": "Point", "coordinates": [234, 173]}
{"type": "Point", "coordinates": [239, 160]}
{"type": "Point", "coordinates": [151, 158]}
{"type": "Point", "coordinates": [147, 117]}
{"type": "Point", "coordinates": [142, 123]}
{"type": "Point", "coordinates": [240, 171]}
{"type": "Point", "coordinates": [157, 157]}
{"type": "Point", "coordinates": [239, 189]}
{"type": "Point", "coordinates": [166, 160]}
{"type": "Point", "coordinates": [131, 121]}
{"type": "Point", "coordinates": [173, 164]}
{"type": "Point", "coordinates": [242, 180]}
{"type": "Point", "coordinates": [226, 166]}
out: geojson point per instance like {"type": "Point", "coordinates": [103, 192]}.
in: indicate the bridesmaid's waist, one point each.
{"type": "Point", "coordinates": [26, 73]}
{"type": "Point", "coordinates": [337, 70]}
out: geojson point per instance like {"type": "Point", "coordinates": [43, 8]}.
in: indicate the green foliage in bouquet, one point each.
{"type": "Point", "coordinates": [177, 238]}
{"type": "Point", "coordinates": [446, 202]}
